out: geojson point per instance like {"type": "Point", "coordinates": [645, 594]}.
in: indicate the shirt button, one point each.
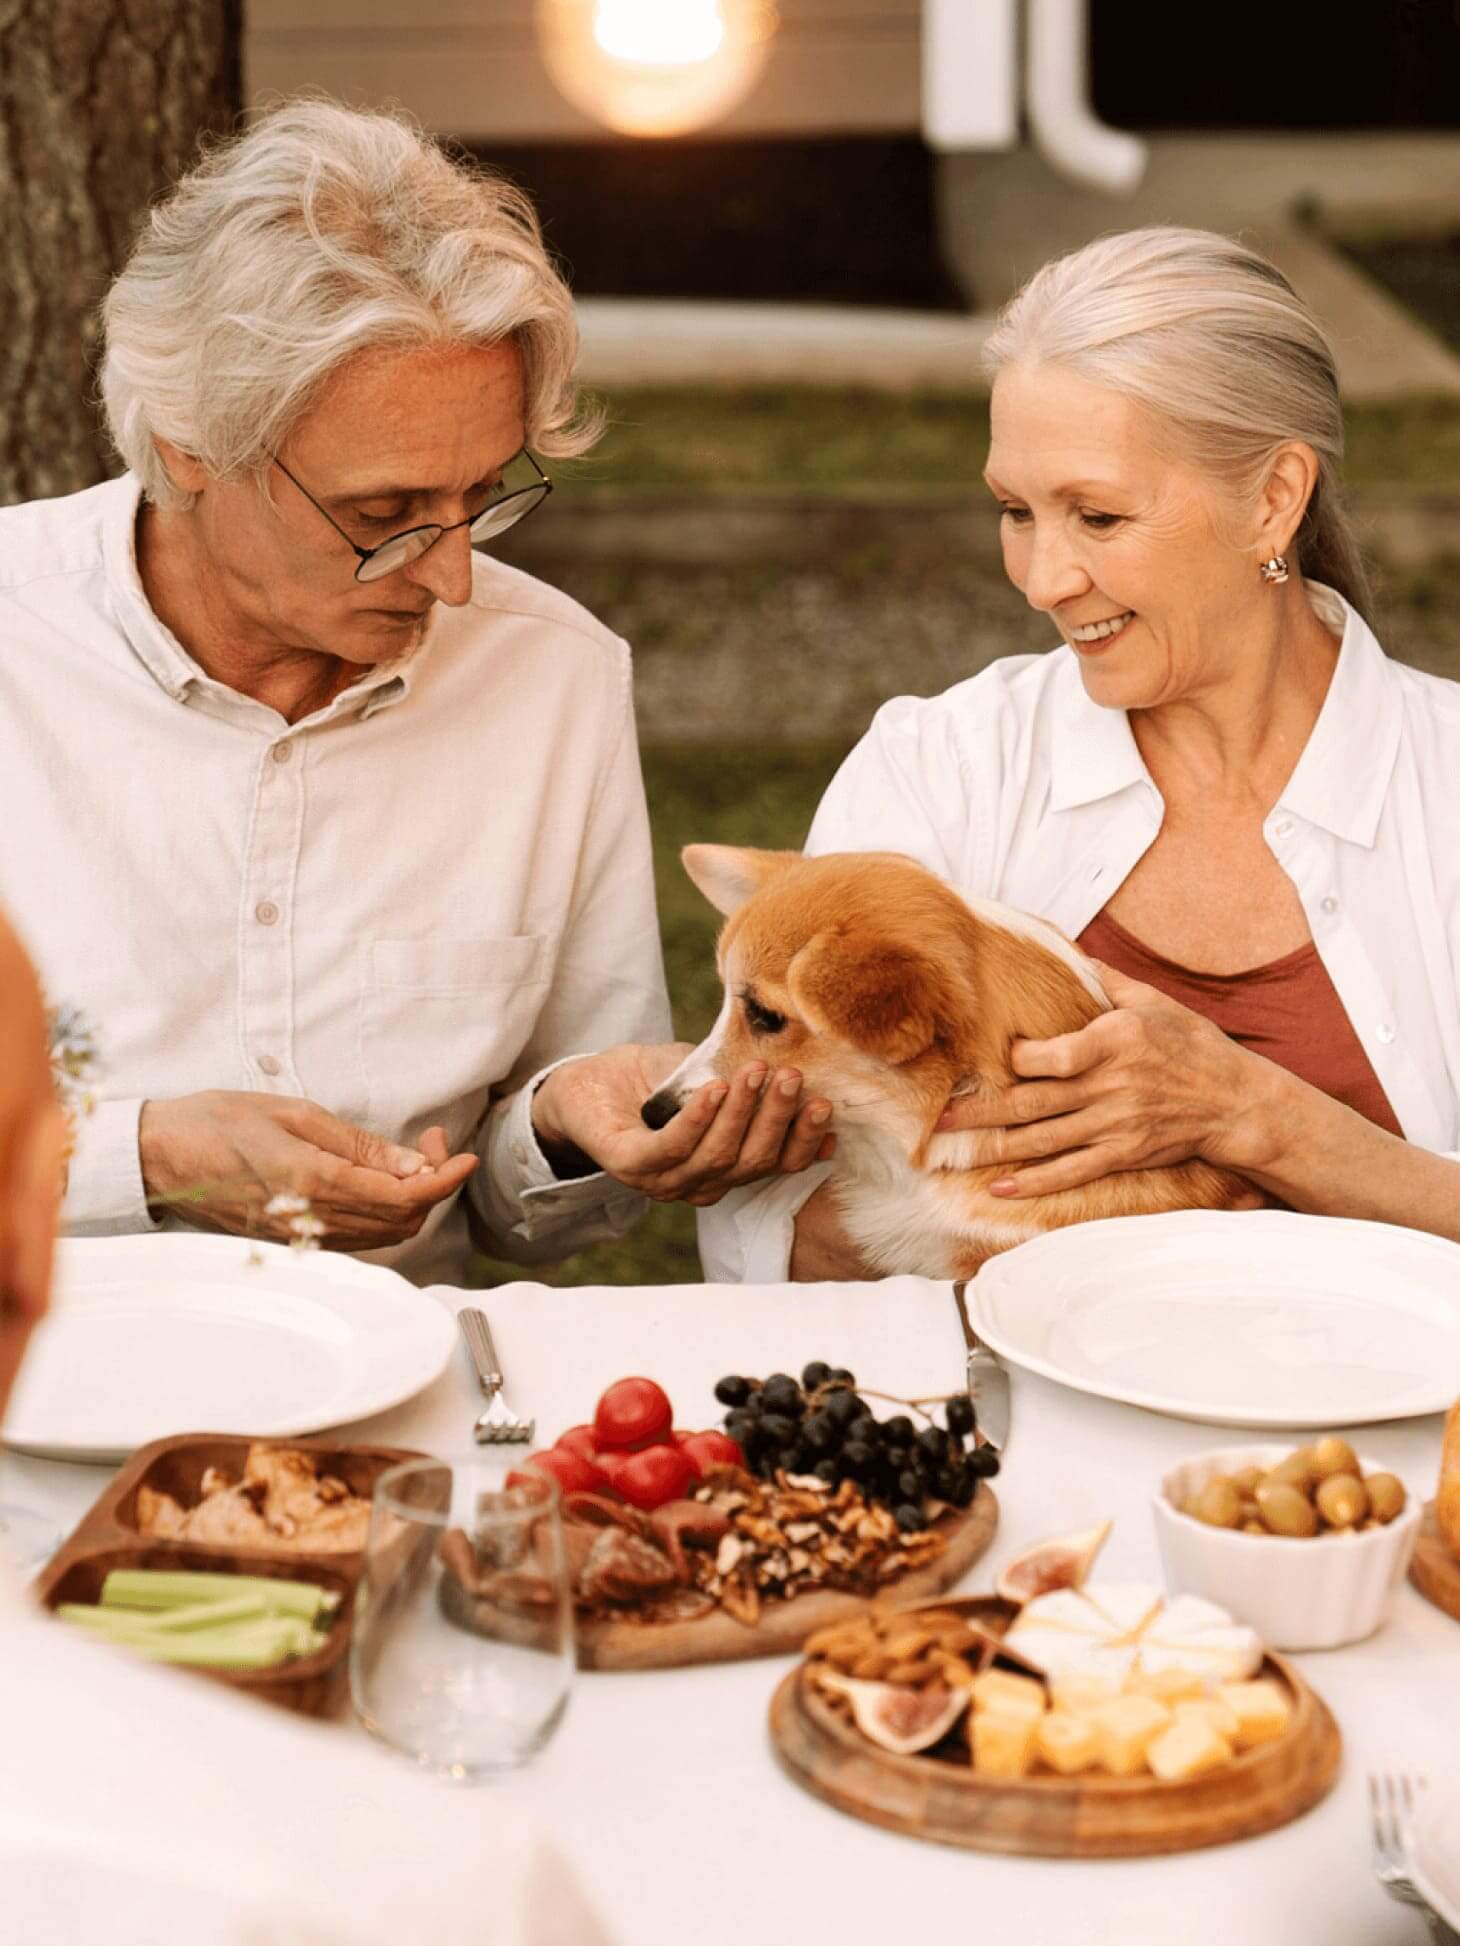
{"type": "Point", "coordinates": [1097, 871]}
{"type": "Point", "coordinates": [266, 912]}
{"type": "Point", "coordinates": [1384, 1032]}
{"type": "Point", "coordinates": [267, 1064]}
{"type": "Point", "coordinates": [1330, 904]}
{"type": "Point", "coordinates": [282, 752]}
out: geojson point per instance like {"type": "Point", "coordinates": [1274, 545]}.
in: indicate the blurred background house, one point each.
{"type": "Point", "coordinates": [783, 294]}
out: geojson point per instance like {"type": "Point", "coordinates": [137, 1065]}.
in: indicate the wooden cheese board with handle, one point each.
{"type": "Point", "coordinates": [942, 1799]}
{"type": "Point", "coordinates": [1433, 1569]}
{"type": "Point", "coordinates": [109, 1536]}
{"type": "Point", "coordinates": [782, 1627]}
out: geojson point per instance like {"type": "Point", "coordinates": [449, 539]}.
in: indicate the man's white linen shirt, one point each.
{"type": "Point", "coordinates": [1015, 786]}
{"type": "Point", "coordinates": [404, 907]}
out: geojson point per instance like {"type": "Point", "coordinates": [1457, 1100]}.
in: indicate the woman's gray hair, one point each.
{"type": "Point", "coordinates": [1213, 340]}
{"type": "Point", "coordinates": [315, 234]}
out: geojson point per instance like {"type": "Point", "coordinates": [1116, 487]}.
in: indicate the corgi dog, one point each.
{"type": "Point", "coordinates": [890, 992]}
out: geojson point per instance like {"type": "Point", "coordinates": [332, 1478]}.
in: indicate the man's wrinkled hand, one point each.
{"type": "Point", "coordinates": [221, 1157]}
{"type": "Point", "coordinates": [727, 1133]}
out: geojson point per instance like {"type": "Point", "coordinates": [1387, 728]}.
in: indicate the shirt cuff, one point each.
{"type": "Point", "coordinates": [522, 1198]}
{"type": "Point", "coordinates": [746, 1237]}
{"type": "Point", "coordinates": [105, 1194]}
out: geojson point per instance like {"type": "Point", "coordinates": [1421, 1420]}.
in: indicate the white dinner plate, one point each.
{"type": "Point", "coordinates": [154, 1335]}
{"type": "Point", "coordinates": [1434, 1855]}
{"type": "Point", "coordinates": [1239, 1318]}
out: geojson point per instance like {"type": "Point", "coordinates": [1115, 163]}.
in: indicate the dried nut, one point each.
{"type": "Point", "coordinates": [1332, 1455]}
{"type": "Point", "coordinates": [1253, 1526]}
{"type": "Point", "coordinates": [1343, 1499]}
{"type": "Point", "coordinates": [1247, 1479]}
{"type": "Point", "coordinates": [1294, 1471]}
{"type": "Point", "coordinates": [871, 1666]}
{"type": "Point", "coordinates": [799, 1532]}
{"type": "Point", "coordinates": [915, 1673]}
{"type": "Point", "coordinates": [1386, 1496]}
{"type": "Point", "coordinates": [1219, 1504]}
{"type": "Point", "coordinates": [910, 1643]}
{"type": "Point", "coordinates": [1285, 1510]}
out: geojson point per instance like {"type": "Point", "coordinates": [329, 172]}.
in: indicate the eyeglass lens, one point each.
{"type": "Point", "coordinates": [493, 520]}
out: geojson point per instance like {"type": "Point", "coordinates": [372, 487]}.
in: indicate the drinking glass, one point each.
{"type": "Point", "coordinates": [463, 1642]}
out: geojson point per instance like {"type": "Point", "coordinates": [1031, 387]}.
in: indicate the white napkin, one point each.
{"type": "Point", "coordinates": [560, 1348]}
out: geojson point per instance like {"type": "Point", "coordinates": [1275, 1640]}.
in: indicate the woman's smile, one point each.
{"type": "Point", "coordinates": [1091, 637]}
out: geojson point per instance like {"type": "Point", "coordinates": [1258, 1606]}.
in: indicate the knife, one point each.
{"type": "Point", "coordinates": [988, 1381]}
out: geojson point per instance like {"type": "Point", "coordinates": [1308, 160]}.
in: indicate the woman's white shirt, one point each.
{"type": "Point", "coordinates": [1015, 786]}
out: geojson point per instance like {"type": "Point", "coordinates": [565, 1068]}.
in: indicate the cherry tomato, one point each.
{"type": "Point", "coordinates": [706, 1449]}
{"type": "Point", "coordinates": [572, 1472]}
{"type": "Point", "coordinates": [579, 1440]}
{"type": "Point", "coordinates": [631, 1413]}
{"type": "Point", "coordinates": [610, 1464]}
{"type": "Point", "coordinates": [657, 1474]}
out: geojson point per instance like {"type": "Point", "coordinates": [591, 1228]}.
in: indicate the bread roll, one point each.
{"type": "Point", "coordinates": [1447, 1500]}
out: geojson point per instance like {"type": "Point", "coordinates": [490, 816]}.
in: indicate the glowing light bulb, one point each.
{"type": "Point", "coordinates": [659, 32]}
{"type": "Point", "coordinates": [655, 67]}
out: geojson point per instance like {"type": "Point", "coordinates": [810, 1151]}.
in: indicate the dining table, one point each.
{"type": "Point", "coordinates": [662, 1786]}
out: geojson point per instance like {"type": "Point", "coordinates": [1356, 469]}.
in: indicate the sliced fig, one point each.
{"type": "Point", "coordinates": [896, 1718]}
{"type": "Point", "coordinates": [1062, 1562]}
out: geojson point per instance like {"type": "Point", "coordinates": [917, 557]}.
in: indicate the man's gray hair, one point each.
{"type": "Point", "coordinates": [316, 234]}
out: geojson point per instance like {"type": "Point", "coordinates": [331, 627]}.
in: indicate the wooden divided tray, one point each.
{"type": "Point", "coordinates": [1434, 1570]}
{"type": "Point", "coordinates": [107, 1537]}
{"type": "Point", "coordinates": [784, 1625]}
{"type": "Point", "coordinates": [941, 1799]}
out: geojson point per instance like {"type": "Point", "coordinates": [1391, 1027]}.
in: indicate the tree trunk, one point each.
{"type": "Point", "coordinates": [102, 103]}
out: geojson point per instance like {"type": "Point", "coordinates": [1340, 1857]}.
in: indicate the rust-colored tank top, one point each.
{"type": "Point", "coordinates": [1288, 1011]}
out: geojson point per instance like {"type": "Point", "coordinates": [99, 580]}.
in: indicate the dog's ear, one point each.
{"type": "Point", "coordinates": [872, 992]}
{"type": "Point", "coordinates": [728, 874]}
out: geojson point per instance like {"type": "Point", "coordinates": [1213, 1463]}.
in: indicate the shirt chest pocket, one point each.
{"type": "Point", "coordinates": [442, 1021]}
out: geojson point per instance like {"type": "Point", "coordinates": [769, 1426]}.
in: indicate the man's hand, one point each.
{"type": "Point", "coordinates": [726, 1134]}
{"type": "Point", "coordinates": [1147, 1084]}
{"type": "Point", "coordinates": [220, 1157]}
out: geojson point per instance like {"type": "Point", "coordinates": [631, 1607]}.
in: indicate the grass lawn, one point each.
{"type": "Point", "coordinates": [833, 440]}
{"type": "Point", "coordinates": [731, 794]}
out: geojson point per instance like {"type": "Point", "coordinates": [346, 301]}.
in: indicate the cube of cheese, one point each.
{"type": "Point", "coordinates": [1188, 1748]}
{"type": "Point", "coordinates": [1125, 1728]}
{"type": "Point", "coordinates": [1080, 1690]}
{"type": "Point", "coordinates": [1262, 1710]}
{"type": "Point", "coordinates": [1212, 1710]}
{"type": "Point", "coordinates": [1003, 1742]}
{"type": "Point", "coordinates": [1014, 1695]}
{"type": "Point", "coordinates": [1066, 1742]}
{"type": "Point", "coordinates": [1170, 1686]}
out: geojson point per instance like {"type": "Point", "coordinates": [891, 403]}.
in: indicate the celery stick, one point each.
{"type": "Point", "coordinates": [258, 1643]}
{"type": "Point", "coordinates": [203, 1614]}
{"type": "Point", "coordinates": [163, 1588]}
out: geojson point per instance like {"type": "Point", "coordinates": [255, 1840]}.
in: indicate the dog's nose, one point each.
{"type": "Point", "coordinates": [659, 1110]}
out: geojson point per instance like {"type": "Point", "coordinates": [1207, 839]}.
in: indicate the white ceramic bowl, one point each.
{"type": "Point", "coordinates": [1298, 1594]}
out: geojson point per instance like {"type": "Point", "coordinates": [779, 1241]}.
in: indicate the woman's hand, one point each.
{"type": "Point", "coordinates": [727, 1133]}
{"type": "Point", "coordinates": [1147, 1084]}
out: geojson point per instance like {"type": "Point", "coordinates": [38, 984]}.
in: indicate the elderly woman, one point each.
{"type": "Point", "coordinates": [334, 830]}
{"type": "Point", "coordinates": [1219, 785]}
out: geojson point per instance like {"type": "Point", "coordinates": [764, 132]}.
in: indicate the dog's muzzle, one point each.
{"type": "Point", "coordinates": [660, 1110]}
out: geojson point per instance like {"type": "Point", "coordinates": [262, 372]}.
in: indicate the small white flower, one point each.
{"type": "Point", "coordinates": [287, 1205]}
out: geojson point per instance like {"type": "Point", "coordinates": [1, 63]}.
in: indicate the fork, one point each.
{"type": "Point", "coordinates": [499, 1425]}
{"type": "Point", "coordinates": [1391, 1807]}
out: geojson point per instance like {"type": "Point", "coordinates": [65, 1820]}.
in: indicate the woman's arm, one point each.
{"type": "Point", "coordinates": [1152, 1083]}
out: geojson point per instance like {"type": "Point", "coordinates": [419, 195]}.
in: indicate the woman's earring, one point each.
{"type": "Point", "coordinates": [1275, 571]}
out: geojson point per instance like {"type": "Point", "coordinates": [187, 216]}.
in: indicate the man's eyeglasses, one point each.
{"type": "Point", "coordinates": [524, 486]}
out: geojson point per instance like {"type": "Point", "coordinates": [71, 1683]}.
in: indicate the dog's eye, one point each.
{"type": "Point", "coordinates": [761, 1019]}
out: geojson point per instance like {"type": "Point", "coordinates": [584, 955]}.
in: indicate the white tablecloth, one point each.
{"type": "Point", "coordinates": [662, 1787]}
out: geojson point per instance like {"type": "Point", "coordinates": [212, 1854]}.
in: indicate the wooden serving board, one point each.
{"type": "Point", "coordinates": [1047, 1816]}
{"type": "Point", "coordinates": [783, 1625]}
{"type": "Point", "coordinates": [1433, 1569]}
{"type": "Point", "coordinates": [107, 1537]}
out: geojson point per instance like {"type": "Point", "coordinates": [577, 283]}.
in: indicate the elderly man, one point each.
{"type": "Point", "coordinates": [333, 829]}
{"type": "Point", "coordinates": [138, 1804]}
